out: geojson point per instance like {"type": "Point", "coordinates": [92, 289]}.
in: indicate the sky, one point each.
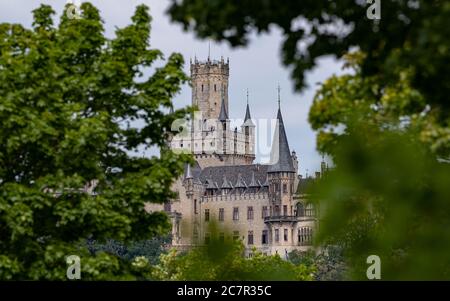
{"type": "Point", "coordinates": [257, 67]}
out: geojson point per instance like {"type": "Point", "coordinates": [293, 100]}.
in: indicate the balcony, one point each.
{"type": "Point", "coordinates": [281, 218]}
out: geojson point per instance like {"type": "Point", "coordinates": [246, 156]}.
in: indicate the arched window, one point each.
{"type": "Point", "coordinates": [300, 209]}
{"type": "Point", "coordinates": [305, 236]}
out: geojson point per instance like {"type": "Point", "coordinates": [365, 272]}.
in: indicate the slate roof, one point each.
{"type": "Point", "coordinates": [192, 171]}
{"type": "Point", "coordinates": [253, 182]}
{"type": "Point", "coordinates": [281, 155]}
{"type": "Point", "coordinates": [231, 173]}
{"type": "Point", "coordinates": [304, 184]}
{"type": "Point", "coordinates": [223, 115]}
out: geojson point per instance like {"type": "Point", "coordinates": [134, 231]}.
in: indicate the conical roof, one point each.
{"type": "Point", "coordinates": [248, 119]}
{"type": "Point", "coordinates": [281, 156]}
{"type": "Point", "coordinates": [223, 115]}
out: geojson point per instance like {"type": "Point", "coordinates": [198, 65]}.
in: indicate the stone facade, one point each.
{"type": "Point", "coordinates": [265, 206]}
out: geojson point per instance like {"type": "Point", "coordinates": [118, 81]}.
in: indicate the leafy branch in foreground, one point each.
{"type": "Point", "coordinates": [70, 99]}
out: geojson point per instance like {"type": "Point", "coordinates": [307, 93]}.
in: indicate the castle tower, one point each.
{"type": "Point", "coordinates": [209, 79]}
{"type": "Point", "coordinates": [281, 174]}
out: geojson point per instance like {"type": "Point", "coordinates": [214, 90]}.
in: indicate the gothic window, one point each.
{"type": "Point", "coordinates": [202, 88]}
{"type": "Point", "coordinates": [215, 88]}
{"type": "Point", "coordinates": [277, 210]}
{"type": "Point", "coordinates": [250, 238]}
{"type": "Point", "coordinates": [235, 235]}
{"type": "Point", "coordinates": [264, 237]}
{"type": "Point", "coordinates": [167, 206]}
{"type": "Point", "coordinates": [236, 213]}
{"type": "Point", "coordinates": [284, 188]}
{"type": "Point", "coordinates": [206, 215]}
{"type": "Point", "coordinates": [309, 211]}
{"type": "Point", "coordinates": [277, 235]}
{"type": "Point", "coordinates": [195, 206]}
{"type": "Point", "coordinates": [264, 212]}
{"type": "Point", "coordinates": [285, 235]}
{"type": "Point", "coordinates": [285, 210]}
{"type": "Point", "coordinates": [305, 236]}
{"type": "Point", "coordinates": [250, 213]}
{"type": "Point", "coordinates": [221, 214]}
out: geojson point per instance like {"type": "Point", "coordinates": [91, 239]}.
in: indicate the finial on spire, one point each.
{"type": "Point", "coordinates": [279, 101]}
{"type": "Point", "coordinates": [247, 95]}
{"type": "Point", "coordinates": [209, 50]}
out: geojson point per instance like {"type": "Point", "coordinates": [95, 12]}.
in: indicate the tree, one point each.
{"type": "Point", "coordinates": [225, 261]}
{"type": "Point", "coordinates": [387, 194]}
{"type": "Point", "coordinates": [69, 102]}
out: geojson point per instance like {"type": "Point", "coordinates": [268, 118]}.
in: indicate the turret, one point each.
{"type": "Point", "coordinates": [281, 171]}
{"type": "Point", "coordinates": [248, 128]}
{"type": "Point", "coordinates": [188, 181]}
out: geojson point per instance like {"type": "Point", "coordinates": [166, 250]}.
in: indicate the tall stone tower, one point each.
{"type": "Point", "coordinates": [209, 81]}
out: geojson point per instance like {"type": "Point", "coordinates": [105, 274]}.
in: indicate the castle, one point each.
{"type": "Point", "coordinates": [264, 205]}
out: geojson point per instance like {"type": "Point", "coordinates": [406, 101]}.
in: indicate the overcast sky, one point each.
{"type": "Point", "coordinates": [257, 67]}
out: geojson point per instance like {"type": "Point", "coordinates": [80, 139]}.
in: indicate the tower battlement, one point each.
{"type": "Point", "coordinates": [210, 86]}
{"type": "Point", "coordinates": [210, 67]}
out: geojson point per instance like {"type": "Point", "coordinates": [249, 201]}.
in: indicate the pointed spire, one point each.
{"type": "Point", "coordinates": [281, 156]}
{"type": "Point", "coordinates": [188, 173]}
{"type": "Point", "coordinates": [253, 181]}
{"type": "Point", "coordinates": [248, 119]}
{"type": "Point", "coordinates": [225, 183]}
{"type": "Point", "coordinates": [223, 115]}
{"type": "Point", "coordinates": [209, 50]}
{"type": "Point", "coordinates": [247, 111]}
{"type": "Point", "coordinates": [279, 99]}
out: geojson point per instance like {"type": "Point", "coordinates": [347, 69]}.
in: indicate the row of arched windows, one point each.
{"type": "Point", "coordinates": [305, 236]}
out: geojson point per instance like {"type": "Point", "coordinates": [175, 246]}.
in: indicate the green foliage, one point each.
{"type": "Point", "coordinates": [150, 249]}
{"type": "Point", "coordinates": [329, 262]}
{"type": "Point", "coordinates": [388, 194]}
{"type": "Point", "coordinates": [225, 261]}
{"type": "Point", "coordinates": [69, 102]}
{"type": "Point", "coordinates": [410, 35]}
